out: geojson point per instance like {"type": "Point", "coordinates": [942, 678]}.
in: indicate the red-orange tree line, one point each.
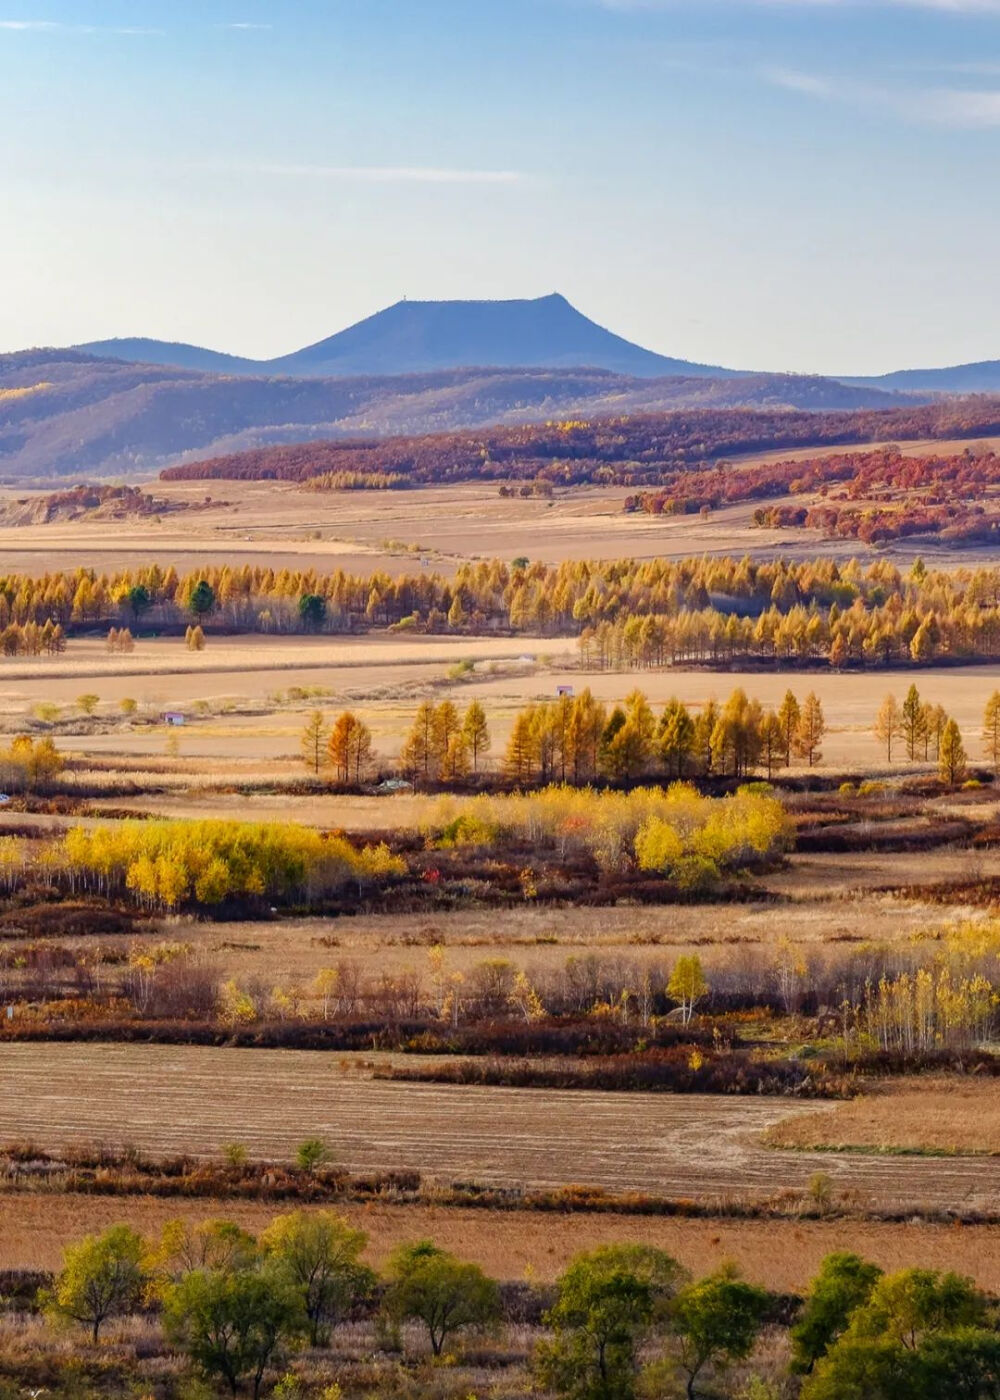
{"type": "Point", "coordinates": [639, 450]}
{"type": "Point", "coordinates": [944, 496]}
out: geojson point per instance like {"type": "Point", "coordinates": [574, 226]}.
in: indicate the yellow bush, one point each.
{"type": "Point", "coordinates": [654, 826]}
{"type": "Point", "coordinates": [166, 863]}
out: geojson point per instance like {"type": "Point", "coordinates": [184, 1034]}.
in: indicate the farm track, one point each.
{"type": "Point", "coordinates": [172, 1100]}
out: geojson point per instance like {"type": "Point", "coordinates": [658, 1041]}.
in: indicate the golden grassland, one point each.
{"type": "Point", "coordinates": [520, 1245]}
{"type": "Point", "coordinates": [944, 1115]}
{"type": "Point", "coordinates": [278, 524]}
{"type": "Point", "coordinates": [247, 698]}
{"type": "Point", "coordinates": [290, 952]}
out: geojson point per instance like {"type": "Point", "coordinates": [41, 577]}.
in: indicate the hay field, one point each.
{"type": "Point", "coordinates": [164, 1100]}
{"type": "Point", "coordinates": [778, 1254]}
{"type": "Point", "coordinates": [945, 1115]}
{"type": "Point", "coordinates": [384, 678]}
{"type": "Point", "coordinates": [279, 525]}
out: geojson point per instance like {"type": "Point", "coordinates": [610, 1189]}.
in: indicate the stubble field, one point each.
{"type": "Point", "coordinates": [945, 1115]}
{"type": "Point", "coordinates": [167, 1100]}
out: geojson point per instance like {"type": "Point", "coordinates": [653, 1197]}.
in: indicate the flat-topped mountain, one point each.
{"type": "Point", "coordinates": [415, 337]}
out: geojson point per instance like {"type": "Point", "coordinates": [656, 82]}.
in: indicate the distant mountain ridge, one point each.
{"type": "Point", "coordinates": [982, 377]}
{"type": "Point", "coordinates": [131, 406]}
{"type": "Point", "coordinates": [417, 337]}
{"type": "Point", "coordinates": [169, 354]}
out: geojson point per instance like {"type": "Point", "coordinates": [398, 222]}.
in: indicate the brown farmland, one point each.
{"type": "Point", "coordinates": [779, 1254]}
{"type": "Point", "coordinates": [169, 1100]}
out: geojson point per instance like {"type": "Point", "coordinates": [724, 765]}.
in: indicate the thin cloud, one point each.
{"type": "Point", "coordinates": [954, 7]}
{"type": "Point", "coordinates": [967, 109]}
{"type": "Point", "coordinates": [809, 84]}
{"type": "Point", "coordinates": [244, 24]}
{"type": "Point", "coordinates": [961, 108]}
{"type": "Point", "coordinates": [51, 26]}
{"type": "Point", "coordinates": [395, 174]}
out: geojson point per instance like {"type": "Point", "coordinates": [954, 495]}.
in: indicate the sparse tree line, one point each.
{"type": "Point", "coordinates": [628, 614]}
{"type": "Point", "coordinates": [926, 732]}
{"type": "Point", "coordinates": [926, 996]}
{"type": "Point", "coordinates": [577, 740]}
{"type": "Point", "coordinates": [940, 995]}
{"type": "Point", "coordinates": [237, 1306]}
{"type": "Point", "coordinates": [622, 1322]}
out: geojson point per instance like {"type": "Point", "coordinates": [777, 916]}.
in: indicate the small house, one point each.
{"type": "Point", "coordinates": [173, 717]}
{"type": "Point", "coordinates": [564, 691]}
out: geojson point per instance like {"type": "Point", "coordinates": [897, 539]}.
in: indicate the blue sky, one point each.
{"type": "Point", "coordinates": [780, 184]}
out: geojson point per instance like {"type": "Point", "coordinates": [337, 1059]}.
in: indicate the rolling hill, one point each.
{"type": "Point", "coordinates": [982, 377]}
{"type": "Point", "coordinates": [646, 448]}
{"type": "Point", "coordinates": [69, 413]}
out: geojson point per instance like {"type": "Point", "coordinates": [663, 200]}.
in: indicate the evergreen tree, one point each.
{"type": "Point", "coordinates": [789, 715]}
{"type": "Point", "coordinates": [912, 721]}
{"type": "Point", "coordinates": [313, 741]}
{"type": "Point", "coordinates": [476, 734]}
{"type": "Point", "coordinates": [991, 730]}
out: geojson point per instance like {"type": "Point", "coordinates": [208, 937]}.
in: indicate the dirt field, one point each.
{"type": "Point", "coordinates": [951, 1115]}
{"type": "Point", "coordinates": [167, 1100]}
{"type": "Point", "coordinates": [782, 1255]}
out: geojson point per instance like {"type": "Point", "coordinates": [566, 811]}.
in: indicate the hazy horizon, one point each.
{"type": "Point", "coordinates": [762, 184]}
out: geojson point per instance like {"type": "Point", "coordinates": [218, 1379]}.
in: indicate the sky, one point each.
{"type": "Point", "coordinates": [804, 185]}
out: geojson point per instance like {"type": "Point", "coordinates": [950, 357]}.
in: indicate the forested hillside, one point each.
{"type": "Point", "coordinates": [644, 449]}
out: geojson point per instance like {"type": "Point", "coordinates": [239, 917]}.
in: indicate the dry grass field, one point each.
{"type": "Point", "coordinates": [168, 1100]}
{"type": "Point", "coordinates": [779, 1254]}
{"type": "Point", "coordinates": [290, 952]}
{"type": "Point", "coordinates": [944, 1115]}
{"type": "Point", "coordinates": [278, 525]}
{"type": "Point", "coordinates": [384, 678]}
